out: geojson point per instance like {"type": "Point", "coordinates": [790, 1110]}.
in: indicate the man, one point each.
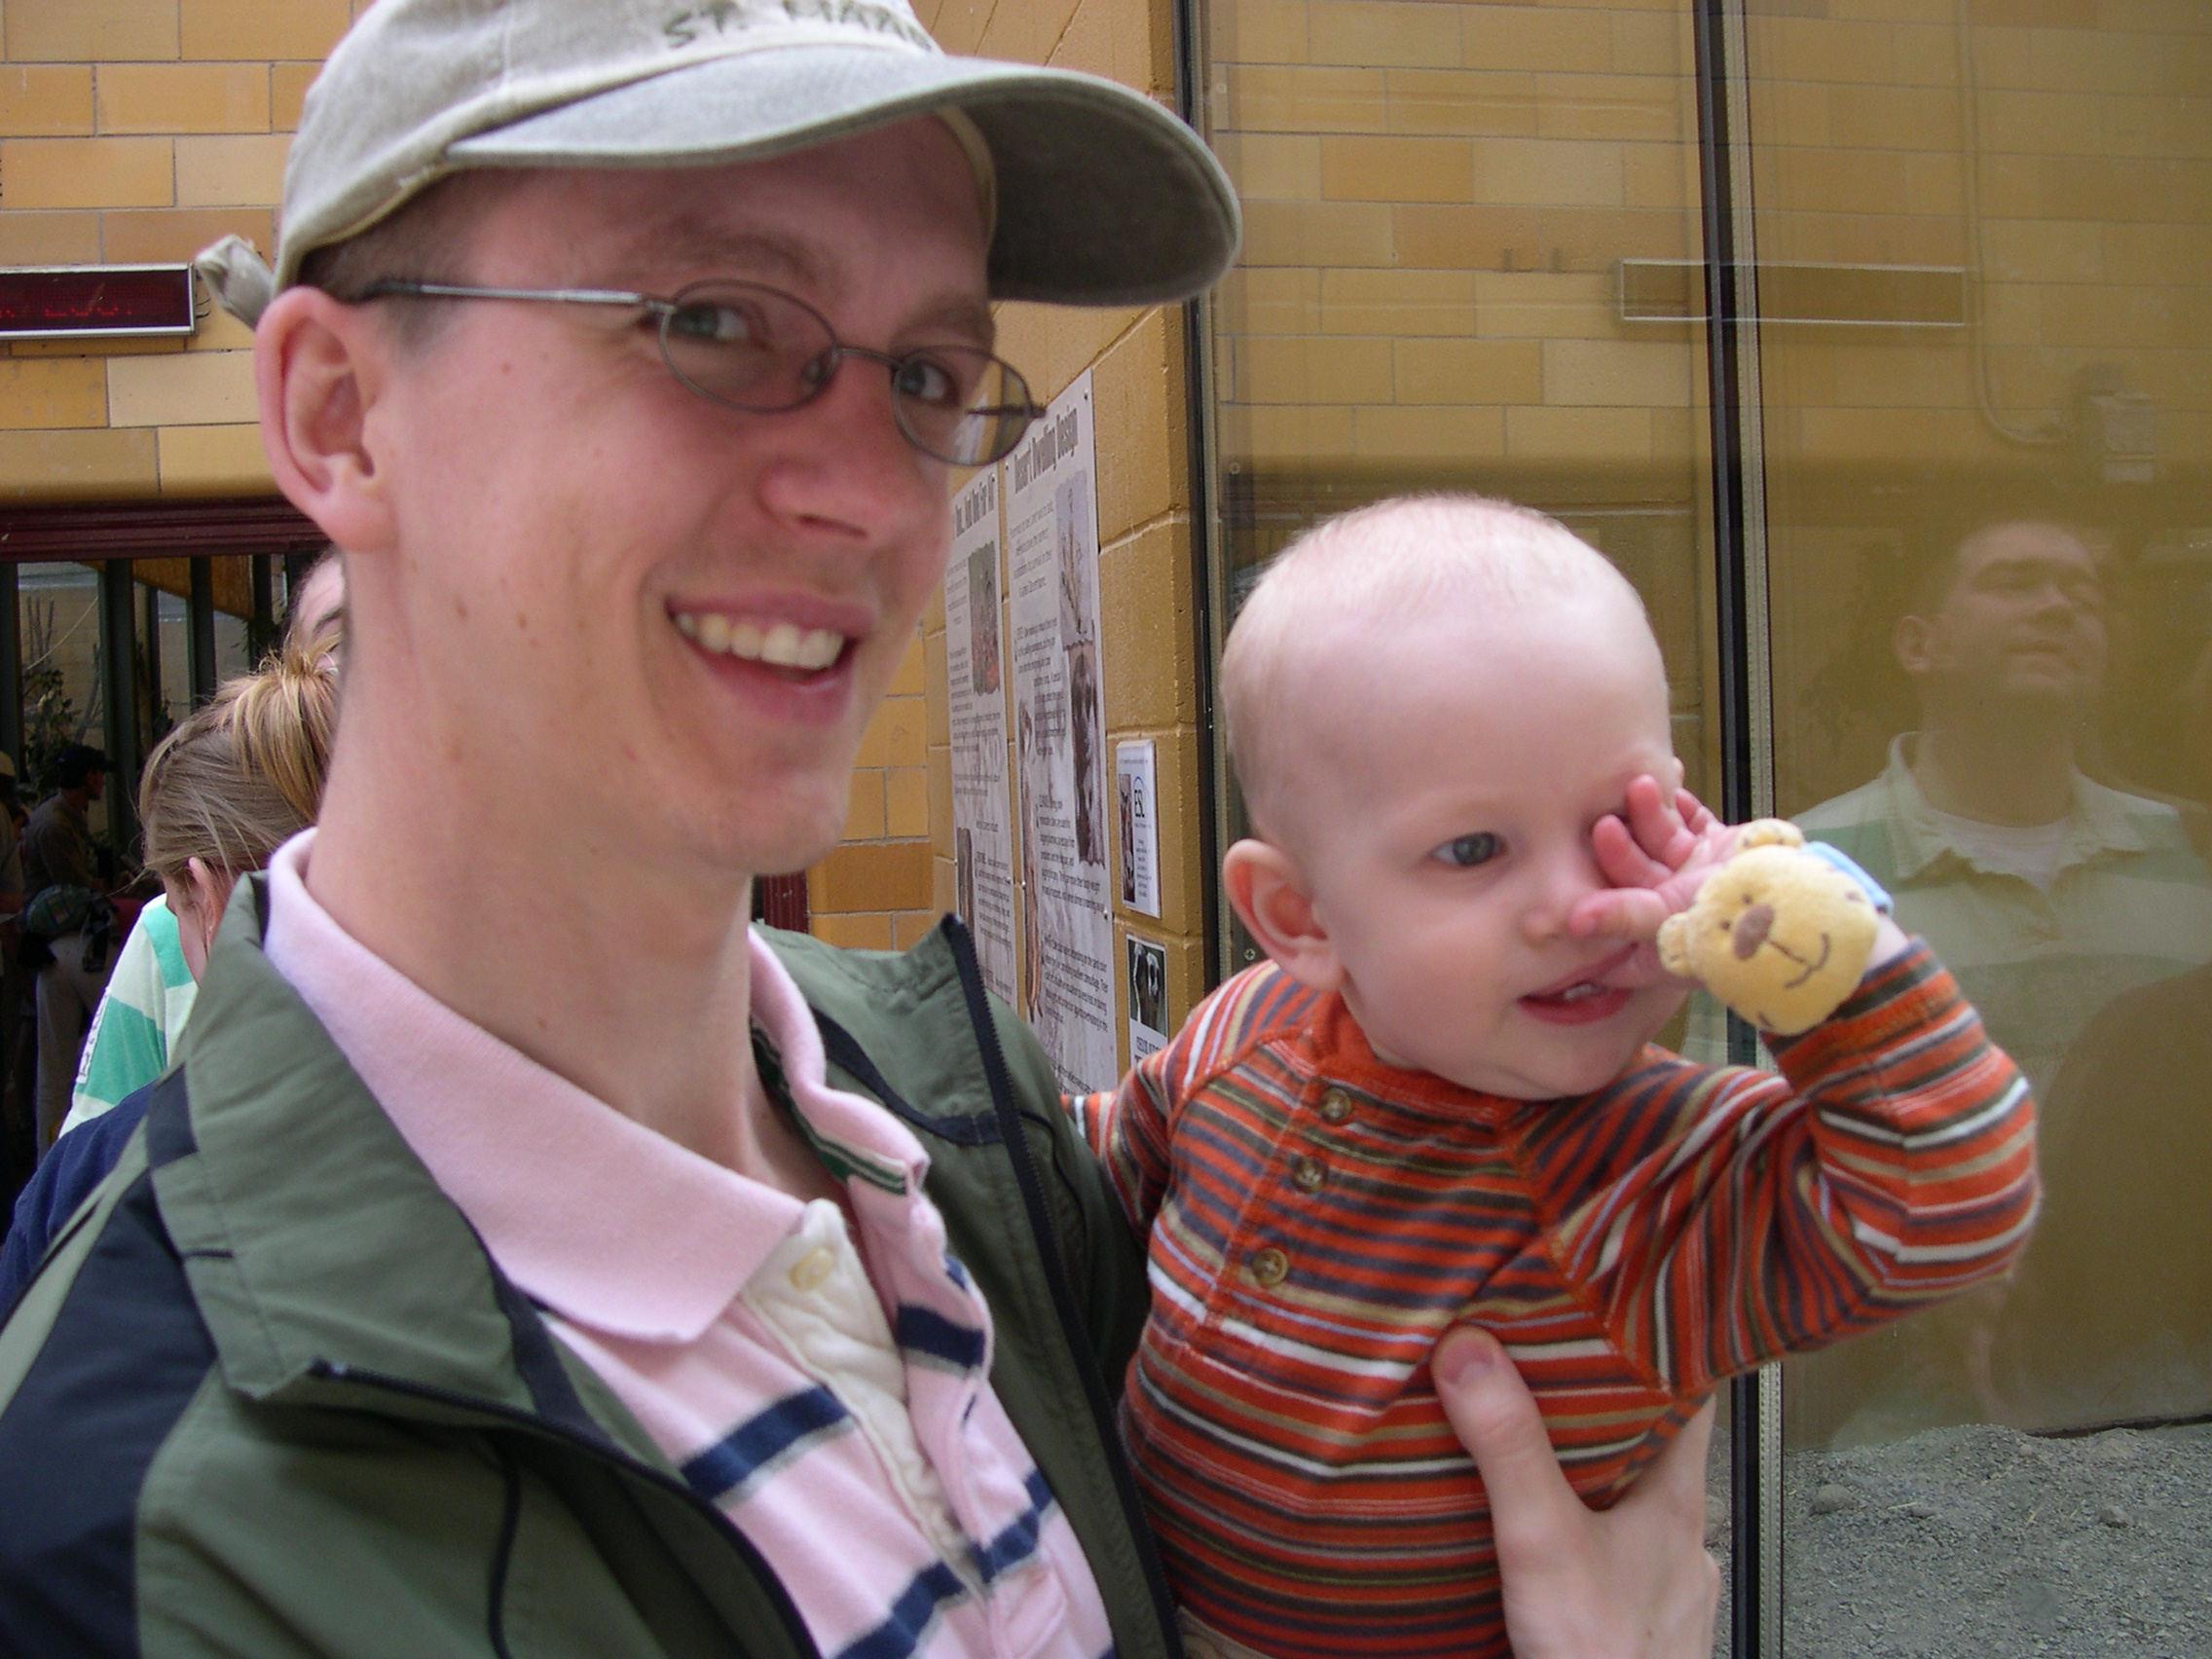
{"type": "Point", "coordinates": [487, 1275]}
{"type": "Point", "coordinates": [58, 841]}
{"type": "Point", "coordinates": [2046, 892]}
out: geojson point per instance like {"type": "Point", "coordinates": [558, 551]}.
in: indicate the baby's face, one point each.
{"type": "Point", "coordinates": [1442, 820]}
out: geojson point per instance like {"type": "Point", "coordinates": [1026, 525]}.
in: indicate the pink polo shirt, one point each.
{"type": "Point", "coordinates": [832, 1401]}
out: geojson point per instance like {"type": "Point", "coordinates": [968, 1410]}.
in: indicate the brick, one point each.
{"type": "Point", "coordinates": [910, 928]}
{"type": "Point", "coordinates": [1470, 370]}
{"type": "Point", "coordinates": [1292, 370]}
{"type": "Point", "coordinates": [1893, 118]}
{"type": "Point", "coordinates": [1583, 436]}
{"type": "Point", "coordinates": [1258, 31]}
{"type": "Point", "coordinates": [1121, 41]}
{"type": "Point", "coordinates": [288, 85]}
{"type": "Point", "coordinates": [1535, 37]}
{"type": "Point", "coordinates": [1287, 433]}
{"type": "Point", "coordinates": [84, 465]}
{"type": "Point", "coordinates": [887, 876]}
{"type": "Point", "coordinates": [1810, 49]}
{"type": "Point", "coordinates": [1138, 389]}
{"type": "Point", "coordinates": [1272, 165]}
{"type": "Point", "coordinates": [264, 30]}
{"type": "Point", "coordinates": [1652, 43]}
{"type": "Point", "coordinates": [1279, 300]}
{"type": "Point", "coordinates": [864, 806]}
{"type": "Point", "coordinates": [958, 23]}
{"type": "Point", "coordinates": [41, 103]}
{"type": "Point", "coordinates": [1460, 237]}
{"type": "Point", "coordinates": [911, 676]}
{"type": "Point", "coordinates": [1147, 630]}
{"type": "Point", "coordinates": [95, 31]}
{"type": "Point", "coordinates": [183, 97]}
{"type": "Point", "coordinates": [193, 388]}
{"type": "Point", "coordinates": [2052, 250]}
{"type": "Point", "coordinates": [1545, 173]}
{"type": "Point", "coordinates": [940, 807]}
{"type": "Point", "coordinates": [38, 392]}
{"type": "Point", "coordinates": [1898, 436]}
{"type": "Point", "coordinates": [940, 732]}
{"type": "Point", "coordinates": [230, 173]}
{"type": "Point", "coordinates": [1539, 305]}
{"type": "Point", "coordinates": [1468, 102]}
{"type": "Point", "coordinates": [1316, 232]}
{"type": "Point", "coordinates": [50, 239]}
{"type": "Point", "coordinates": [1427, 434]}
{"type": "Point", "coordinates": [1383, 33]}
{"type": "Point", "coordinates": [215, 460]}
{"type": "Point", "coordinates": [86, 172]}
{"type": "Point", "coordinates": [896, 736]}
{"type": "Point", "coordinates": [1659, 175]}
{"type": "Point", "coordinates": [852, 933]}
{"type": "Point", "coordinates": [1271, 98]}
{"type": "Point", "coordinates": [1932, 376]}
{"type": "Point", "coordinates": [169, 235]}
{"type": "Point", "coordinates": [906, 801]}
{"type": "Point", "coordinates": [1182, 850]}
{"type": "Point", "coordinates": [1398, 169]}
{"type": "Point", "coordinates": [1629, 373]}
{"type": "Point", "coordinates": [1398, 303]}
{"type": "Point", "coordinates": [1614, 106]}
{"type": "Point", "coordinates": [1596, 239]}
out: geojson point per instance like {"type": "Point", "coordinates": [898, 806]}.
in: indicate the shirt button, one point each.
{"type": "Point", "coordinates": [811, 1269]}
{"type": "Point", "coordinates": [1271, 1267]}
{"type": "Point", "coordinates": [1307, 1173]}
{"type": "Point", "coordinates": [1336, 1106]}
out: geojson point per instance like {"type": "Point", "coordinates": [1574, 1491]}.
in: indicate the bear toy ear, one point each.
{"type": "Point", "coordinates": [1770, 832]}
{"type": "Point", "coordinates": [1675, 945]}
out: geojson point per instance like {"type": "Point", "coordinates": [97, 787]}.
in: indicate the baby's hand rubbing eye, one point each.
{"type": "Point", "coordinates": [1471, 850]}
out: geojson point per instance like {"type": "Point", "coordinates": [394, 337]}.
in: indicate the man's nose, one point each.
{"type": "Point", "coordinates": [843, 460]}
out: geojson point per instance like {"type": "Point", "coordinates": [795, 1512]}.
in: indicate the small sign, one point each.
{"type": "Point", "coordinates": [95, 302]}
{"type": "Point", "coordinates": [1148, 998]}
{"type": "Point", "coordinates": [1139, 802]}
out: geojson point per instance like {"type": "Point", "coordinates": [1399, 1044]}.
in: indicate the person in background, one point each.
{"type": "Point", "coordinates": [76, 946]}
{"type": "Point", "coordinates": [234, 781]}
{"type": "Point", "coordinates": [17, 1146]}
{"type": "Point", "coordinates": [150, 990]}
{"type": "Point", "coordinates": [58, 841]}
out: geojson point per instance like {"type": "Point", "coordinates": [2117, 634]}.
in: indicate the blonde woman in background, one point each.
{"type": "Point", "coordinates": [234, 781]}
{"type": "Point", "coordinates": [150, 992]}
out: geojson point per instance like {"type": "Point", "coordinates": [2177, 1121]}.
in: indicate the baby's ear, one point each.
{"type": "Point", "coordinates": [1270, 896]}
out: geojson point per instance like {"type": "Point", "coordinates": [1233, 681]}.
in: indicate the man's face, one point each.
{"type": "Point", "coordinates": [1441, 816]}
{"type": "Point", "coordinates": [96, 785]}
{"type": "Point", "coordinates": [576, 531]}
{"type": "Point", "coordinates": [2021, 626]}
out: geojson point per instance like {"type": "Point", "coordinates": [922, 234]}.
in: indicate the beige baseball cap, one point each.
{"type": "Point", "coordinates": [1102, 197]}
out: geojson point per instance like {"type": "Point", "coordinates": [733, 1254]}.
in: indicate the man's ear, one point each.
{"type": "Point", "coordinates": [1273, 900]}
{"type": "Point", "coordinates": [318, 367]}
{"type": "Point", "coordinates": [1911, 641]}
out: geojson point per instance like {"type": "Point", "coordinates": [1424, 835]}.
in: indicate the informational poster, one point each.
{"type": "Point", "coordinates": [1060, 717]}
{"type": "Point", "coordinates": [1148, 998]}
{"type": "Point", "coordinates": [1140, 811]}
{"type": "Point", "coordinates": [974, 666]}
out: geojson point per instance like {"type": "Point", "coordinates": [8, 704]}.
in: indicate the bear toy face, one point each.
{"type": "Point", "coordinates": [1780, 936]}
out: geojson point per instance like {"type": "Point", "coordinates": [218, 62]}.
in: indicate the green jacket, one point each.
{"type": "Point", "coordinates": [269, 1396]}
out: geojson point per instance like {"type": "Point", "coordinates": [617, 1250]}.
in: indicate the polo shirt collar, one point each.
{"type": "Point", "coordinates": [2099, 823]}
{"type": "Point", "coordinates": [604, 1222]}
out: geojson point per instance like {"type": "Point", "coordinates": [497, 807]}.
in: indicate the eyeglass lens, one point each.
{"type": "Point", "coordinates": [759, 349]}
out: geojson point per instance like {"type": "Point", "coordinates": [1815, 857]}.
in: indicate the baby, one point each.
{"type": "Point", "coordinates": [1437, 1101]}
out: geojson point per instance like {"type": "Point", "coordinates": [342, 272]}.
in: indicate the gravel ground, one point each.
{"type": "Point", "coordinates": [1984, 1543]}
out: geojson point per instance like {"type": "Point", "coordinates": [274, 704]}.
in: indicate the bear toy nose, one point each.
{"type": "Point", "coordinates": [1751, 931]}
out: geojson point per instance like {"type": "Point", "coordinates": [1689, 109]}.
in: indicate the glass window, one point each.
{"type": "Point", "coordinates": [64, 687]}
{"type": "Point", "coordinates": [1983, 242]}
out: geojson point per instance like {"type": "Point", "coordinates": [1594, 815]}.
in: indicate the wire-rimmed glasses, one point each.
{"type": "Point", "coordinates": [746, 345]}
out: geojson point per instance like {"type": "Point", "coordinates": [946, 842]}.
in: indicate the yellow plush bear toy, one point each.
{"type": "Point", "coordinates": [1777, 932]}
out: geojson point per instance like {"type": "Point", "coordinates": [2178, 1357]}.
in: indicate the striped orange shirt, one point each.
{"type": "Point", "coordinates": [1317, 1219]}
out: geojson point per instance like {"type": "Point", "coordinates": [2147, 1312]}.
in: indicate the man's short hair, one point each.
{"type": "Point", "coordinates": [78, 761]}
{"type": "Point", "coordinates": [426, 239]}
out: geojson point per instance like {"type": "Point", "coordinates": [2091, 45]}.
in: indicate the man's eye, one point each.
{"type": "Point", "coordinates": [929, 381]}
{"type": "Point", "coordinates": [1471, 850]}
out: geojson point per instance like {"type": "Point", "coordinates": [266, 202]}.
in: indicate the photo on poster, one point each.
{"type": "Point", "coordinates": [983, 619]}
{"type": "Point", "coordinates": [1148, 998]}
{"type": "Point", "coordinates": [1137, 796]}
{"type": "Point", "coordinates": [974, 672]}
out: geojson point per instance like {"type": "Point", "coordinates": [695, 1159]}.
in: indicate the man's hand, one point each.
{"type": "Point", "coordinates": [1656, 854]}
{"type": "Point", "coordinates": [1634, 1582]}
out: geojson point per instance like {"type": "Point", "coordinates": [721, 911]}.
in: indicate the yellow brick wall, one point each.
{"type": "Point", "coordinates": [139, 132]}
{"type": "Point", "coordinates": [1145, 531]}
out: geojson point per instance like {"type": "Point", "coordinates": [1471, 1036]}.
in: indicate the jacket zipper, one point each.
{"type": "Point", "coordinates": [1057, 1279]}
{"type": "Point", "coordinates": [332, 1371]}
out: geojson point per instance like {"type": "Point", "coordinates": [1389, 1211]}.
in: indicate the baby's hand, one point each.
{"type": "Point", "coordinates": [1656, 860]}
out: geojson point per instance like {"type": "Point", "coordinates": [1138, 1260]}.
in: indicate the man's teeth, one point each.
{"type": "Point", "coordinates": [783, 645]}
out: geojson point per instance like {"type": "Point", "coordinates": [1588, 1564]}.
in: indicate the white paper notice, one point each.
{"type": "Point", "coordinates": [1060, 717]}
{"type": "Point", "coordinates": [982, 839]}
{"type": "Point", "coordinates": [1140, 810]}
{"type": "Point", "coordinates": [1148, 998]}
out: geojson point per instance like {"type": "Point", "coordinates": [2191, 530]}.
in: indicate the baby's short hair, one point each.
{"type": "Point", "coordinates": [1398, 557]}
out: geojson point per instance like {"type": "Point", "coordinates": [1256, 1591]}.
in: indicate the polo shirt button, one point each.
{"type": "Point", "coordinates": [811, 1269]}
{"type": "Point", "coordinates": [1307, 1173]}
{"type": "Point", "coordinates": [1336, 1106]}
{"type": "Point", "coordinates": [1271, 1267]}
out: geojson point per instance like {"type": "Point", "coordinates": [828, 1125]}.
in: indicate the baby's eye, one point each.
{"type": "Point", "coordinates": [1469, 851]}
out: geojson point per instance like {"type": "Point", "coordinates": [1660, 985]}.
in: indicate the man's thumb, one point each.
{"type": "Point", "coordinates": [1495, 1417]}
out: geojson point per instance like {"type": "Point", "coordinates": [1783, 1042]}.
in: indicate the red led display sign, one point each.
{"type": "Point", "coordinates": [96, 301]}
